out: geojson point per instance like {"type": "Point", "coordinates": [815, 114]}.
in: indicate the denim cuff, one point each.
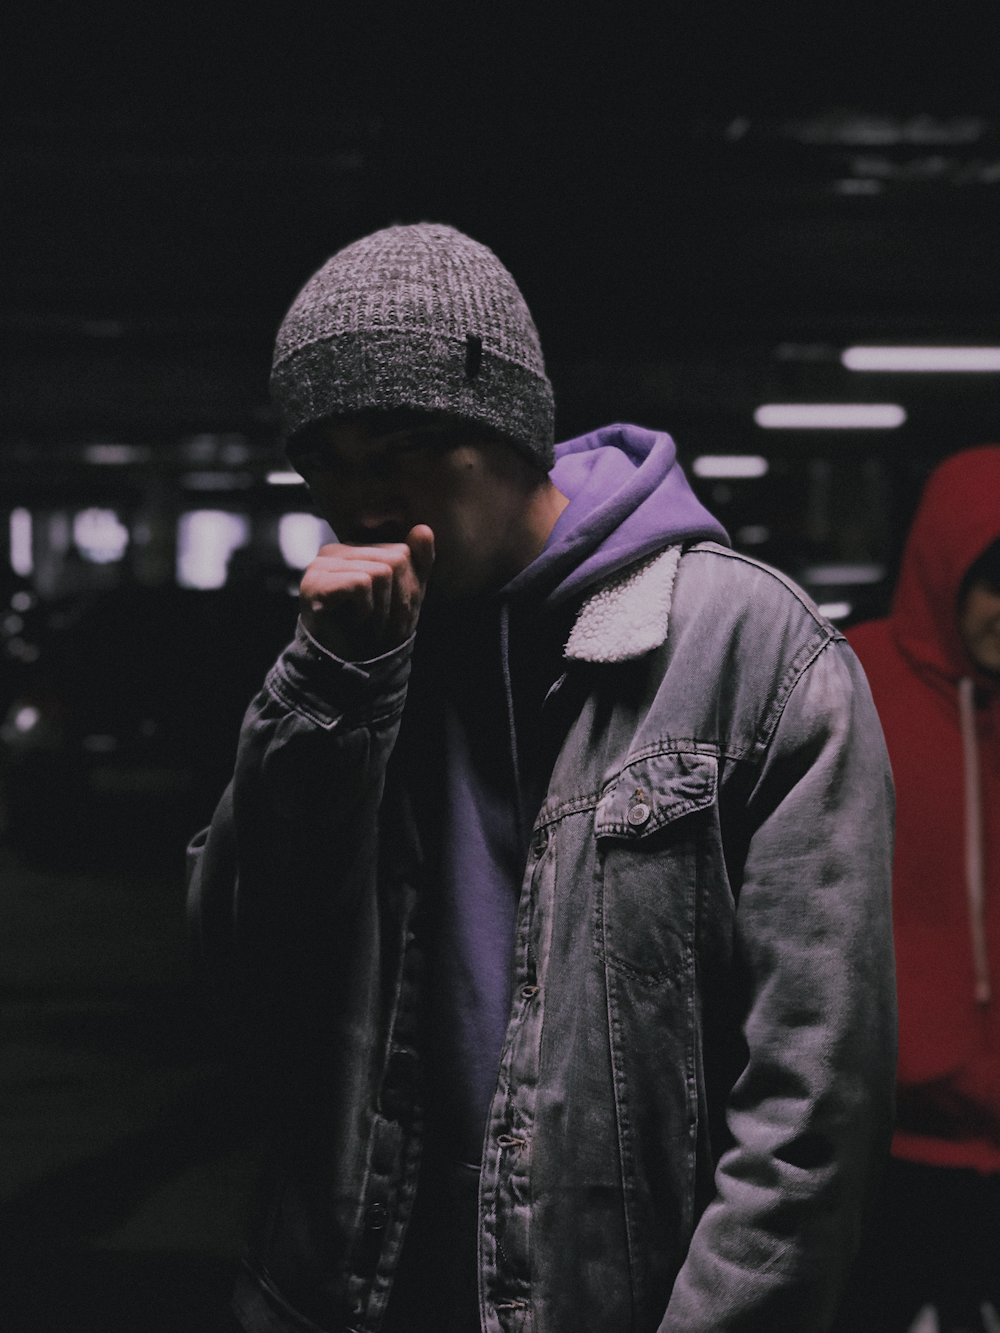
{"type": "Point", "coordinates": [368, 669]}
{"type": "Point", "coordinates": [323, 686]}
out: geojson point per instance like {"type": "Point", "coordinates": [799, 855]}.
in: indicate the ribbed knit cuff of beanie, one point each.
{"type": "Point", "coordinates": [418, 318]}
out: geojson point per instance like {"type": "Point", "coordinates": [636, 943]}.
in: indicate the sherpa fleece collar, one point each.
{"type": "Point", "coordinates": [628, 615]}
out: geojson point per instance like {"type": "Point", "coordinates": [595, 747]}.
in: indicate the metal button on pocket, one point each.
{"type": "Point", "coordinates": [638, 814]}
{"type": "Point", "coordinates": [377, 1216]}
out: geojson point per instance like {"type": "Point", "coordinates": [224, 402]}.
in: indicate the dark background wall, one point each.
{"type": "Point", "coordinates": [663, 180]}
{"type": "Point", "coordinates": [703, 204]}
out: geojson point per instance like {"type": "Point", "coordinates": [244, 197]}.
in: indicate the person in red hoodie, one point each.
{"type": "Point", "coordinates": [934, 669]}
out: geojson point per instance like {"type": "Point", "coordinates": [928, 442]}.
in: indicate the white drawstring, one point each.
{"type": "Point", "coordinates": [974, 882]}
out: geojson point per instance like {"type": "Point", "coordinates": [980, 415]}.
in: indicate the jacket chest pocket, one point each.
{"type": "Point", "coordinates": [649, 825]}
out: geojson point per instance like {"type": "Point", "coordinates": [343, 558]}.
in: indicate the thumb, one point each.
{"type": "Point", "coordinates": [420, 540]}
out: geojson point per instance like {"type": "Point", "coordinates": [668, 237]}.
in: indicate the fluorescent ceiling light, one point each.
{"type": "Point", "coordinates": [923, 359]}
{"type": "Point", "coordinates": [835, 610]}
{"type": "Point", "coordinates": [829, 416]}
{"type": "Point", "coordinates": [285, 479]}
{"type": "Point", "coordinates": [833, 576]}
{"type": "Point", "coordinates": [730, 465]}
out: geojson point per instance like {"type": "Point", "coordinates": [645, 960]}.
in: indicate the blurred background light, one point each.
{"type": "Point", "coordinates": [753, 534]}
{"type": "Point", "coordinates": [835, 610]}
{"type": "Point", "coordinates": [116, 455]}
{"type": "Point", "coordinates": [829, 416]}
{"type": "Point", "coordinates": [730, 465]}
{"type": "Point", "coordinates": [59, 533]}
{"type": "Point", "coordinates": [21, 559]}
{"type": "Point", "coordinates": [229, 449]}
{"type": "Point", "coordinates": [26, 717]}
{"type": "Point", "coordinates": [300, 536]}
{"type": "Point", "coordinates": [216, 481]}
{"type": "Point", "coordinates": [100, 536]}
{"type": "Point", "coordinates": [843, 575]}
{"type": "Point", "coordinates": [285, 479]}
{"type": "Point", "coordinates": [206, 539]}
{"type": "Point", "coordinates": [923, 359]}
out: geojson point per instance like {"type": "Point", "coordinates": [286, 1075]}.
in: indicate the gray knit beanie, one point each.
{"type": "Point", "coordinates": [417, 317]}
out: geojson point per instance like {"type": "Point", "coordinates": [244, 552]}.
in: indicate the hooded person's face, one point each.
{"type": "Point", "coordinates": [490, 512]}
{"type": "Point", "coordinates": [979, 625]}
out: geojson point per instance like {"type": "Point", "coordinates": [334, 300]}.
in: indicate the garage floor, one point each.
{"type": "Point", "coordinates": [123, 1169]}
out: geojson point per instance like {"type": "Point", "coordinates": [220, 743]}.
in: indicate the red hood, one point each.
{"type": "Point", "coordinates": [958, 518]}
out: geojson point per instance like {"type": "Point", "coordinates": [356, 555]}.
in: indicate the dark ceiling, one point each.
{"type": "Point", "coordinates": [702, 203]}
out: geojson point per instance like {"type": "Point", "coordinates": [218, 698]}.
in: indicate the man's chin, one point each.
{"type": "Point", "coordinates": [447, 585]}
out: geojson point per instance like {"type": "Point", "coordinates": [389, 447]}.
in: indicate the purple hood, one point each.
{"type": "Point", "coordinates": [628, 496]}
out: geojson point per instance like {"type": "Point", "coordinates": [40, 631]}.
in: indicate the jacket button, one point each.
{"type": "Point", "coordinates": [540, 840]}
{"type": "Point", "coordinates": [377, 1216]}
{"type": "Point", "coordinates": [638, 814]}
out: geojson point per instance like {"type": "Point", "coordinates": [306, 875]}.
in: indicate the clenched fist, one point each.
{"type": "Point", "coordinates": [362, 601]}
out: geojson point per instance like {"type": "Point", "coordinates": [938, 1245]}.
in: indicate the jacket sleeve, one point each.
{"type": "Point", "coordinates": [810, 1116]}
{"type": "Point", "coordinates": [300, 809]}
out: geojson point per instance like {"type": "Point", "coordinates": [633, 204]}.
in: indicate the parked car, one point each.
{"type": "Point", "coordinates": [123, 730]}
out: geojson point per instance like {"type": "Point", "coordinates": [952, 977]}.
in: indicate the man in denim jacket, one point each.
{"type": "Point", "coordinates": [554, 909]}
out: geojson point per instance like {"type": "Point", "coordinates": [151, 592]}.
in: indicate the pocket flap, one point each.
{"type": "Point", "coordinates": [652, 792]}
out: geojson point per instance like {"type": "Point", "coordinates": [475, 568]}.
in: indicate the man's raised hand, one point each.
{"type": "Point", "coordinates": [362, 601]}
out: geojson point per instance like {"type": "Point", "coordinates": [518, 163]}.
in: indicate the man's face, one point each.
{"type": "Point", "coordinates": [979, 625]}
{"type": "Point", "coordinates": [375, 488]}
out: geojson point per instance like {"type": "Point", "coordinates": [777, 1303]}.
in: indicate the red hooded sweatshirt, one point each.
{"type": "Point", "coordinates": [949, 1040]}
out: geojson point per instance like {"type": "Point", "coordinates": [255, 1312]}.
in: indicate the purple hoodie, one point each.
{"type": "Point", "coordinates": [628, 497]}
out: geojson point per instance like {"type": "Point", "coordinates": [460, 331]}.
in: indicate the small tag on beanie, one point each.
{"type": "Point", "coordinates": [473, 355]}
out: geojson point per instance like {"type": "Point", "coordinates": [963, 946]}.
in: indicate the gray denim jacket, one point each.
{"type": "Point", "coordinates": [695, 1091]}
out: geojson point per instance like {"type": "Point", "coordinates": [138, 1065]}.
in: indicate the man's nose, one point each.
{"type": "Point", "coordinates": [375, 518]}
{"type": "Point", "coordinates": [376, 527]}
{"type": "Point", "coordinates": [369, 503]}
